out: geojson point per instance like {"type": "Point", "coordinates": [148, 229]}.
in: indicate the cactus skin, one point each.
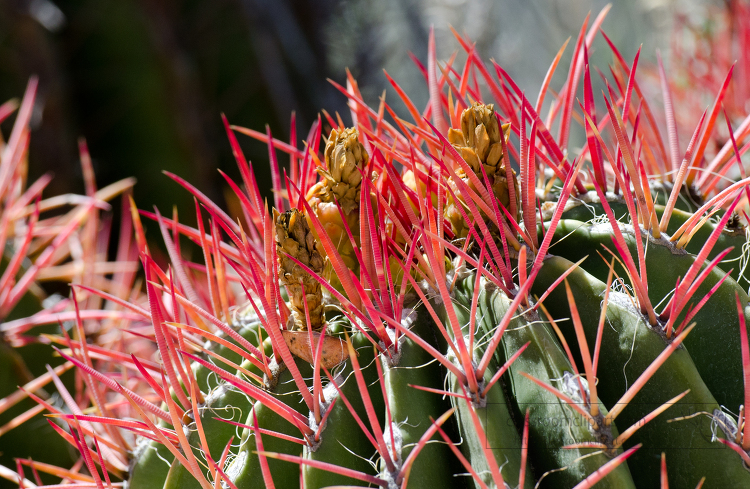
{"type": "Point", "coordinates": [714, 345]}
{"type": "Point", "coordinates": [625, 327]}
{"type": "Point", "coordinates": [495, 416]}
{"type": "Point", "coordinates": [735, 237]}
{"type": "Point", "coordinates": [552, 423]}
{"type": "Point", "coordinates": [245, 471]}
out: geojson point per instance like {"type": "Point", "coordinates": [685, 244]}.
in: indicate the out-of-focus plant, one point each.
{"type": "Point", "coordinates": [62, 239]}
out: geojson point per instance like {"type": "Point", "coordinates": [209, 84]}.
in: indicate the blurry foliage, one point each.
{"type": "Point", "coordinates": [145, 82]}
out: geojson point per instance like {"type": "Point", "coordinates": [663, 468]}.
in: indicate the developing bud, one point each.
{"type": "Point", "coordinates": [345, 158]}
{"type": "Point", "coordinates": [478, 142]}
{"type": "Point", "coordinates": [294, 239]}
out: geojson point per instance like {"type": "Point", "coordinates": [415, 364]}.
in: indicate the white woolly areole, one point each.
{"type": "Point", "coordinates": [237, 465]}
{"type": "Point", "coordinates": [459, 270]}
{"type": "Point", "coordinates": [218, 391]}
{"type": "Point", "coordinates": [570, 384]}
{"type": "Point", "coordinates": [408, 318]}
{"type": "Point", "coordinates": [394, 444]}
{"type": "Point", "coordinates": [724, 422]}
{"type": "Point", "coordinates": [477, 401]}
{"type": "Point", "coordinates": [329, 394]}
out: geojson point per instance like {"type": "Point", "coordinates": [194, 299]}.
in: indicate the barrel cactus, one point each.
{"type": "Point", "coordinates": [452, 300]}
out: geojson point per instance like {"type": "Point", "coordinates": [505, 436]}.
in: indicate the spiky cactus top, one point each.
{"type": "Point", "coordinates": [593, 340]}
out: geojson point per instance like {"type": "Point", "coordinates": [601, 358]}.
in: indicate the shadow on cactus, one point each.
{"type": "Point", "coordinates": [446, 301]}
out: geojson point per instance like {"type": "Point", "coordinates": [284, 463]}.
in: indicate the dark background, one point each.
{"type": "Point", "coordinates": [145, 81]}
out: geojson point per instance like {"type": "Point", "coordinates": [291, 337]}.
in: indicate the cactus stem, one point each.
{"type": "Point", "coordinates": [502, 370]}
{"type": "Point", "coordinates": [593, 402]}
{"type": "Point", "coordinates": [624, 252]}
{"type": "Point", "coordinates": [625, 435]}
{"type": "Point", "coordinates": [565, 398]}
{"type": "Point", "coordinates": [371, 415]}
{"type": "Point", "coordinates": [464, 462]}
{"type": "Point", "coordinates": [336, 469]}
{"type": "Point", "coordinates": [497, 477]}
{"type": "Point", "coordinates": [743, 422]}
{"type": "Point", "coordinates": [497, 334]}
{"type": "Point", "coordinates": [428, 434]}
{"type": "Point", "coordinates": [268, 400]}
{"type": "Point", "coordinates": [691, 292]}
{"type": "Point", "coordinates": [591, 480]}
{"type": "Point", "coordinates": [742, 453]}
{"type": "Point", "coordinates": [646, 375]}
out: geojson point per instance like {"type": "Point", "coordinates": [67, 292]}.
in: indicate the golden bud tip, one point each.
{"type": "Point", "coordinates": [346, 159]}
{"type": "Point", "coordinates": [479, 141]}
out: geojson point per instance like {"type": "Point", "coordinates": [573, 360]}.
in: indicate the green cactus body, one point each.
{"type": "Point", "coordinates": [589, 208]}
{"type": "Point", "coordinates": [628, 347]}
{"type": "Point", "coordinates": [502, 438]}
{"type": "Point", "coordinates": [411, 409]}
{"type": "Point", "coordinates": [551, 422]}
{"type": "Point", "coordinates": [688, 198]}
{"type": "Point", "coordinates": [495, 417]}
{"type": "Point", "coordinates": [714, 344]}
{"type": "Point", "coordinates": [245, 470]}
{"type": "Point", "coordinates": [544, 359]}
{"type": "Point", "coordinates": [153, 464]}
{"type": "Point", "coordinates": [729, 238]}
{"type": "Point", "coordinates": [224, 402]}
{"type": "Point", "coordinates": [150, 465]}
{"type": "Point", "coordinates": [342, 440]}
{"type": "Point", "coordinates": [248, 329]}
